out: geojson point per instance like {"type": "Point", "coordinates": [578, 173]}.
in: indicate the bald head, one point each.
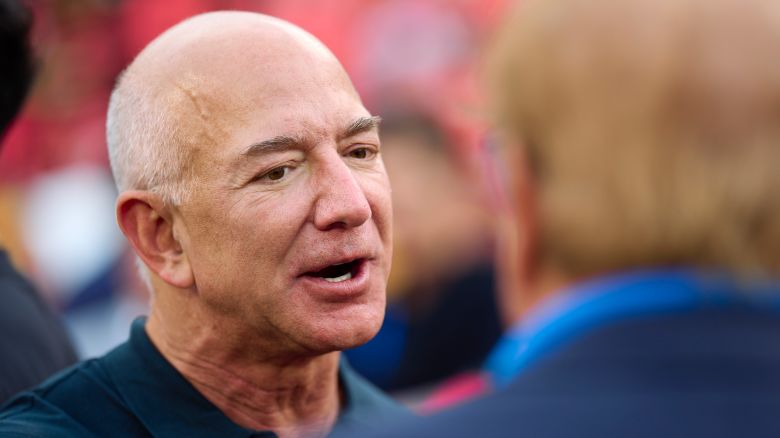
{"type": "Point", "coordinates": [194, 83]}
{"type": "Point", "coordinates": [652, 129]}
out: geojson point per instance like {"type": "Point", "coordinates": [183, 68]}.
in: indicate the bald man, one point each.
{"type": "Point", "coordinates": [252, 190]}
{"type": "Point", "coordinates": [642, 259]}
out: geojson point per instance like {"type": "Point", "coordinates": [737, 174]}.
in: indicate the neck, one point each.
{"type": "Point", "coordinates": [535, 289]}
{"type": "Point", "coordinates": [294, 397]}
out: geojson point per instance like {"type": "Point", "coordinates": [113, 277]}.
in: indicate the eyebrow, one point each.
{"type": "Point", "coordinates": [278, 143]}
{"type": "Point", "coordinates": [285, 142]}
{"type": "Point", "coordinates": [361, 125]}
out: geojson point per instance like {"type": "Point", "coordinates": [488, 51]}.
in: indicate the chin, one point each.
{"type": "Point", "coordinates": [348, 331]}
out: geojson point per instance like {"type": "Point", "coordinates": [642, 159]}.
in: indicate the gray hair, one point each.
{"type": "Point", "coordinates": [144, 141]}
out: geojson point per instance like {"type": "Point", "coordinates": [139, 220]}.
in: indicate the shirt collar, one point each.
{"type": "Point", "coordinates": [610, 298]}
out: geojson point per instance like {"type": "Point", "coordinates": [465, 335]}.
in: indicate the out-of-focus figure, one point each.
{"type": "Point", "coordinates": [416, 61]}
{"type": "Point", "coordinates": [442, 318]}
{"type": "Point", "coordinates": [642, 223]}
{"type": "Point", "coordinates": [33, 342]}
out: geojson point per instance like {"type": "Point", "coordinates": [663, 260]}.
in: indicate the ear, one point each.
{"type": "Point", "coordinates": [148, 225]}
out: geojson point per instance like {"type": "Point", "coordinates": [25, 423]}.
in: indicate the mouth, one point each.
{"type": "Point", "coordinates": [339, 272]}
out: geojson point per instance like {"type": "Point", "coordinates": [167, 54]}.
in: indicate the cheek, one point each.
{"type": "Point", "coordinates": [246, 240]}
{"type": "Point", "coordinates": [265, 228]}
{"type": "Point", "coordinates": [380, 200]}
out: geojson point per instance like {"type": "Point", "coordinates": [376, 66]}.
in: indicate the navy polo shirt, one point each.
{"type": "Point", "coordinates": [134, 391]}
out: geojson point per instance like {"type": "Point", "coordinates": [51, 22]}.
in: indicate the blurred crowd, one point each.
{"type": "Point", "coordinates": [415, 63]}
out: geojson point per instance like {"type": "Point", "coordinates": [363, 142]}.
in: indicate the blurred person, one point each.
{"type": "Point", "coordinates": [442, 317]}
{"type": "Point", "coordinates": [33, 342]}
{"type": "Point", "coordinates": [252, 189]}
{"type": "Point", "coordinates": [643, 223]}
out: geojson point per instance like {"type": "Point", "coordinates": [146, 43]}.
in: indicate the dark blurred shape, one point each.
{"type": "Point", "coordinates": [33, 342]}
{"type": "Point", "coordinates": [442, 318]}
{"type": "Point", "coordinates": [456, 333]}
{"type": "Point", "coordinates": [18, 70]}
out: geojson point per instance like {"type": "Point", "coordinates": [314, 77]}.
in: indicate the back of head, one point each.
{"type": "Point", "coordinates": [652, 130]}
{"type": "Point", "coordinates": [16, 74]}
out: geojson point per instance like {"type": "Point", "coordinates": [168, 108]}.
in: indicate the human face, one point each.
{"type": "Point", "coordinates": [288, 226]}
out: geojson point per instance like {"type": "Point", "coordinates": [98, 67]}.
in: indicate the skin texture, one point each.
{"type": "Point", "coordinates": [286, 178]}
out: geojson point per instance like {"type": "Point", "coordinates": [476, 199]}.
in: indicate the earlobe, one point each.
{"type": "Point", "coordinates": [148, 226]}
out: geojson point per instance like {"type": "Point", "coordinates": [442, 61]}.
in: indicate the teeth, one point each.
{"type": "Point", "coordinates": [340, 278]}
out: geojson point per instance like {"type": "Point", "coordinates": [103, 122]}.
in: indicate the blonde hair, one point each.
{"type": "Point", "coordinates": [652, 129]}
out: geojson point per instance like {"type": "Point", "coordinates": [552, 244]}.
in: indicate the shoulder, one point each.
{"type": "Point", "coordinates": [79, 401]}
{"type": "Point", "coordinates": [29, 415]}
{"type": "Point", "coordinates": [363, 398]}
{"type": "Point", "coordinates": [494, 416]}
{"type": "Point", "coordinates": [366, 406]}
{"type": "Point", "coordinates": [51, 408]}
{"type": "Point", "coordinates": [703, 373]}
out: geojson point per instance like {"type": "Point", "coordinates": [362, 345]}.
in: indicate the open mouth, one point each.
{"type": "Point", "coordinates": [339, 272]}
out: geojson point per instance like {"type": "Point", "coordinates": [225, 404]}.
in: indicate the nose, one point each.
{"type": "Point", "coordinates": [340, 202]}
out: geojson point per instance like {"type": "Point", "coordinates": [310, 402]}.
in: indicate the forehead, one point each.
{"type": "Point", "coordinates": [226, 123]}
{"type": "Point", "coordinates": [250, 89]}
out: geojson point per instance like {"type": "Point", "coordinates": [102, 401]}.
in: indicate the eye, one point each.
{"type": "Point", "coordinates": [362, 153]}
{"type": "Point", "coordinates": [275, 174]}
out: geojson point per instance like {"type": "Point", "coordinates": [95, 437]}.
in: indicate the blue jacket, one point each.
{"type": "Point", "coordinates": [666, 354]}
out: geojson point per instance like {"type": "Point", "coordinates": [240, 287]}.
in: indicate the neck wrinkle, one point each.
{"type": "Point", "coordinates": [293, 398]}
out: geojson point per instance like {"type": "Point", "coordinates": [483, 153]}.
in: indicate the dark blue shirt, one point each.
{"type": "Point", "coordinates": [134, 391]}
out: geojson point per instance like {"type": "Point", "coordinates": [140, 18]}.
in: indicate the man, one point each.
{"type": "Point", "coordinates": [252, 189]}
{"type": "Point", "coordinates": [33, 342]}
{"type": "Point", "coordinates": [646, 219]}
